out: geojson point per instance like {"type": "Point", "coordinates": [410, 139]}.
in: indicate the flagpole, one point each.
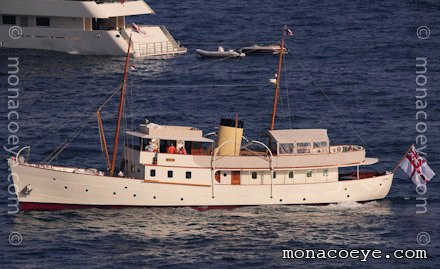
{"type": "Point", "coordinates": [404, 155]}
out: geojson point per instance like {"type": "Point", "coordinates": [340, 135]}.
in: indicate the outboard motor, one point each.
{"type": "Point", "coordinates": [230, 130]}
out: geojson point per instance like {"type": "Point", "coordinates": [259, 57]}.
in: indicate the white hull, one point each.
{"type": "Point", "coordinates": [158, 41]}
{"type": "Point", "coordinates": [67, 188]}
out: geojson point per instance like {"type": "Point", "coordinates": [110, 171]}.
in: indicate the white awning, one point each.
{"type": "Point", "coordinates": [299, 135]}
{"type": "Point", "coordinates": [165, 137]}
{"type": "Point", "coordinates": [77, 9]}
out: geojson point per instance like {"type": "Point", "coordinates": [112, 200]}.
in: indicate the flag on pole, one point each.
{"type": "Point", "coordinates": [416, 167]}
{"type": "Point", "coordinates": [287, 30]}
{"type": "Point", "coordinates": [137, 29]}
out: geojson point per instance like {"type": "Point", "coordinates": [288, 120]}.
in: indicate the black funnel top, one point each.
{"type": "Point", "coordinates": [232, 123]}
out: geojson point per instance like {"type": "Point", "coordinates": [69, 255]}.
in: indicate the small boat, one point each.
{"type": "Point", "coordinates": [263, 49]}
{"type": "Point", "coordinates": [220, 53]}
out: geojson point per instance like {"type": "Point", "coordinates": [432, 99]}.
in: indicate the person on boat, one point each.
{"type": "Point", "coordinates": [149, 147]}
{"type": "Point", "coordinates": [171, 149]}
{"type": "Point", "coordinates": [221, 49]}
{"type": "Point", "coordinates": [182, 150]}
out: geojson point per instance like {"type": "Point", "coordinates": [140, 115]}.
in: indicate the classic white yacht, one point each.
{"type": "Point", "coordinates": [179, 166]}
{"type": "Point", "coordinates": [82, 27]}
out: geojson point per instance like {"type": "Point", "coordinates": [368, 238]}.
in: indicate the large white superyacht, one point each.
{"type": "Point", "coordinates": [82, 27]}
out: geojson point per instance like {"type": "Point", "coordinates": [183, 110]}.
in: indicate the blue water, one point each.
{"type": "Point", "coordinates": [360, 54]}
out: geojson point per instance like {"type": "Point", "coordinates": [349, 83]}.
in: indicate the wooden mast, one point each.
{"type": "Point", "coordinates": [277, 84]}
{"type": "Point", "coordinates": [121, 105]}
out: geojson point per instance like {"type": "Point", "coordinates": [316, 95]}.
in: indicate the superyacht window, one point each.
{"type": "Point", "coordinates": [188, 174]}
{"type": "Point", "coordinates": [254, 175]}
{"type": "Point", "coordinates": [290, 174]}
{"type": "Point", "coordinates": [43, 21]}
{"type": "Point", "coordinates": [170, 174]}
{"type": "Point", "coordinates": [9, 20]}
{"type": "Point", "coordinates": [152, 173]}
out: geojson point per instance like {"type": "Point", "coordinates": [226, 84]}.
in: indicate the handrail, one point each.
{"type": "Point", "coordinates": [213, 163]}
{"type": "Point", "coordinates": [270, 164]}
{"type": "Point", "coordinates": [19, 152]}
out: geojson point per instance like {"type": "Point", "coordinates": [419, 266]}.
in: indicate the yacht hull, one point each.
{"type": "Point", "coordinates": [40, 188]}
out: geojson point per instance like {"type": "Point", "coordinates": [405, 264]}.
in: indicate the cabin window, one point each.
{"type": "Point", "coordinates": [274, 174]}
{"type": "Point", "coordinates": [254, 175]}
{"type": "Point", "coordinates": [24, 21]}
{"type": "Point", "coordinates": [170, 174]}
{"type": "Point", "coordinates": [9, 19]}
{"type": "Point", "coordinates": [325, 172]}
{"type": "Point", "coordinates": [290, 174]}
{"type": "Point", "coordinates": [152, 173]}
{"type": "Point", "coordinates": [217, 176]}
{"type": "Point", "coordinates": [309, 173]}
{"type": "Point", "coordinates": [43, 21]}
{"type": "Point", "coordinates": [303, 147]}
{"type": "Point", "coordinates": [320, 144]}
{"type": "Point", "coordinates": [188, 174]}
{"type": "Point", "coordinates": [286, 148]}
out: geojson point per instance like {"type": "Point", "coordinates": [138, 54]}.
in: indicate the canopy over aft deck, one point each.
{"type": "Point", "coordinates": [299, 135]}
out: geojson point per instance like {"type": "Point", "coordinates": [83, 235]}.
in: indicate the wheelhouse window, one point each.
{"type": "Point", "coordinates": [152, 173]}
{"type": "Point", "coordinates": [43, 21]}
{"type": "Point", "coordinates": [303, 147]}
{"type": "Point", "coordinates": [309, 173]}
{"type": "Point", "coordinates": [287, 148]}
{"type": "Point", "coordinates": [11, 20]}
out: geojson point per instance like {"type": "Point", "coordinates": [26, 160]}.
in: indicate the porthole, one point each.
{"type": "Point", "coordinates": [181, 199]}
{"type": "Point", "coordinates": [87, 190]}
{"type": "Point", "coordinates": [126, 187]}
{"type": "Point", "coordinates": [224, 174]}
{"type": "Point", "coordinates": [188, 174]}
{"type": "Point", "coordinates": [65, 187]}
{"type": "Point", "coordinates": [348, 196]}
{"type": "Point", "coordinates": [134, 195]}
{"type": "Point", "coordinates": [304, 199]}
{"type": "Point", "coordinates": [170, 174]}
{"type": "Point", "coordinates": [118, 36]}
{"type": "Point", "coordinates": [114, 193]}
{"type": "Point", "coordinates": [281, 200]}
{"type": "Point", "coordinates": [154, 197]}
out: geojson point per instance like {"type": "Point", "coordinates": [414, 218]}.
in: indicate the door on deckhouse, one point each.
{"type": "Point", "coordinates": [235, 178]}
